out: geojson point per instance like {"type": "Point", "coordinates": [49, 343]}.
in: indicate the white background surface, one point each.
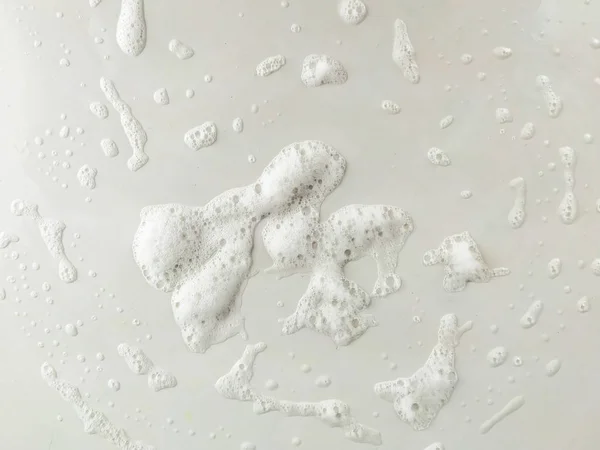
{"type": "Point", "coordinates": [386, 165]}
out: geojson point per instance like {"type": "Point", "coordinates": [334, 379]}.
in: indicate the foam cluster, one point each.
{"type": "Point", "coordinates": [419, 398]}
{"type": "Point", "coordinates": [352, 12]}
{"type": "Point", "coordinates": [94, 421]}
{"type": "Point", "coordinates": [109, 147]}
{"type": "Point", "coordinates": [322, 69]}
{"type": "Point", "coordinates": [403, 53]}
{"type": "Point", "coordinates": [140, 364]}
{"type": "Point", "coordinates": [131, 27]}
{"type": "Point", "coordinates": [201, 136]}
{"type": "Point", "coordinates": [463, 262]}
{"type": "Point", "coordinates": [7, 238]}
{"type": "Point", "coordinates": [270, 65]}
{"type": "Point", "coordinates": [181, 50]}
{"type": "Point", "coordinates": [236, 385]}
{"type": "Point", "coordinates": [86, 176]}
{"type": "Point", "coordinates": [567, 209]}
{"type": "Point", "coordinates": [553, 102]}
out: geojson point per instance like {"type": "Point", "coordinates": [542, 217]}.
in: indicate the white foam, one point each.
{"type": "Point", "coordinates": [516, 215]}
{"type": "Point", "coordinates": [99, 110]}
{"type": "Point", "coordinates": [419, 398]}
{"type": "Point", "coordinates": [532, 314]}
{"type": "Point", "coordinates": [161, 97]}
{"type": "Point", "coordinates": [435, 446]}
{"type": "Point", "coordinates": [94, 3]}
{"type": "Point", "coordinates": [323, 381]}
{"type": "Point", "coordinates": [583, 304]}
{"type": "Point", "coordinates": [131, 27]}
{"type": "Point", "coordinates": [204, 254]}
{"type": "Point", "coordinates": [552, 367]}
{"type": "Point", "coordinates": [140, 364]}
{"type": "Point", "coordinates": [86, 176]}
{"type": "Point", "coordinates": [352, 12]}
{"type": "Point", "coordinates": [528, 131]}
{"type": "Point", "coordinates": [390, 107]}
{"type": "Point", "coordinates": [236, 385]}
{"type": "Point", "coordinates": [131, 126]}
{"type": "Point", "coordinates": [553, 102]}
{"type": "Point", "coordinates": [567, 209]}
{"type": "Point", "coordinates": [403, 53]}
{"type": "Point", "coordinates": [503, 115]}
{"type": "Point", "coordinates": [7, 238]}
{"type": "Point", "coordinates": [237, 125]}
{"type": "Point", "coordinates": [466, 58]}
{"type": "Point", "coordinates": [497, 356]}
{"type": "Point", "coordinates": [181, 50]}
{"type": "Point", "coordinates": [502, 52]}
{"type": "Point", "coordinates": [438, 157]}
{"type": "Point", "coordinates": [512, 406]}
{"type": "Point", "coordinates": [446, 121]}
{"type": "Point", "coordinates": [94, 421]}
{"type": "Point", "coordinates": [463, 262]}
{"type": "Point", "coordinates": [109, 148]}
{"type": "Point", "coordinates": [595, 267]}
{"type": "Point", "coordinates": [333, 304]}
{"type": "Point", "coordinates": [201, 136]}
{"type": "Point", "coordinates": [51, 231]}
{"type": "Point", "coordinates": [318, 70]}
{"type": "Point", "coordinates": [554, 268]}
{"type": "Point", "coordinates": [64, 132]}
{"type": "Point", "coordinates": [270, 65]}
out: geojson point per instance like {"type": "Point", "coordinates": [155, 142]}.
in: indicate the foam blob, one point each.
{"type": "Point", "coordinates": [497, 356]}
{"type": "Point", "coordinates": [553, 102]}
{"type": "Point", "coordinates": [419, 398]}
{"type": "Point", "coordinates": [86, 176]}
{"type": "Point", "coordinates": [512, 406]}
{"type": "Point", "coordinates": [503, 115]}
{"type": "Point", "coordinates": [6, 239]}
{"type": "Point", "coordinates": [322, 69]}
{"type": "Point", "coordinates": [554, 268]}
{"type": "Point", "coordinates": [51, 231]}
{"type": "Point", "coordinates": [201, 136]}
{"type": "Point", "coordinates": [463, 262]}
{"type": "Point", "coordinates": [181, 50]}
{"type": "Point", "coordinates": [109, 148]}
{"type": "Point", "coordinates": [552, 367]}
{"type": "Point", "coordinates": [236, 385]}
{"type": "Point", "coordinates": [161, 97]}
{"type": "Point", "coordinates": [131, 27]}
{"type": "Point", "coordinates": [583, 304]}
{"type": "Point", "coordinates": [528, 131]}
{"type": "Point", "coordinates": [502, 52]}
{"type": "Point", "coordinates": [532, 314]}
{"type": "Point", "coordinates": [352, 12]}
{"type": "Point", "coordinates": [390, 107]}
{"type": "Point", "coordinates": [94, 422]}
{"type": "Point", "coordinates": [567, 209]}
{"type": "Point", "coordinates": [270, 65]}
{"type": "Point", "coordinates": [333, 304]}
{"type": "Point", "coordinates": [159, 379]}
{"type": "Point", "coordinates": [446, 121]}
{"type": "Point", "coordinates": [237, 125]}
{"type": "Point", "coordinates": [140, 364]}
{"type": "Point", "coordinates": [204, 254]}
{"type": "Point", "coordinates": [136, 135]}
{"type": "Point", "coordinates": [516, 215]}
{"type": "Point", "coordinates": [438, 157]}
{"type": "Point", "coordinates": [403, 53]}
{"type": "Point", "coordinates": [99, 110]}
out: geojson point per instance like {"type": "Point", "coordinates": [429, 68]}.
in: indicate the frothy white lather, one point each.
{"type": "Point", "coordinates": [503, 115]}
{"type": "Point", "coordinates": [516, 215]}
{"type": "Point", "coordinates": [94, 422]}
{"type": "Point", "coordinates": [6, 239]}
{"type": "Point", "coordinates": [204, 254]}
{"type": "Point", "coordinates": [109, 147]}
{"type": "Point", "coordinates": [322, 69]}
{"type": "Point", "coordinates": [140, 364]}
{"type": "Point", "coordinates": [567, 209]}
{"type": "Point", "coordinates": [508, 409]}
{"type": "Point", "coordinates": [502, 52]}
{"type": "Point", "coordinates": [438, 157]}
{"type": "Point", "coordinates": [532, 315]}
{"type": "Point", "coordinates": [99, 110]}
{"type": "Point", "coordinates": [270, 65]}
{"type": "Point", "coordinates": [133, 128]}
{"type": "Point", "coordinates": [131, 27]}
{"type": "Point", "coordinates": [419, 398]}
{"type": "Point", "coordinates": [496, 356]}
{"type": "Point", "coordinates": [52, 235]}
{"type": "Point", "coordinates": [446, 121]}
{"type": "Point", "coordinates": [403, 53]}
{"type": "Point", "coordinates": [390, 107]}
{"type": "Point", "coordinates": [352, 12]}
{"type": "Point", "coordinates": [333, 304]}
{"type": "Point", "coordinates": [236, 385]}
{"type": "Point", "coordinates": [553, 101]}
{"type": "Point", "coordinates": [161, 96]}
{"type": "Point", "coordinates": [237, 125]}
{"type": "Point", "coordinates": [552, 367]}
{"type": "Point", "coordinates": [181, 50]}
{"type": "Point", "coordinates": [86, 176]}
{"type": "Point", "coordinates": [554, 267]}
{"type": "Point", "coordinates": [463, 262]}
{"type": "Point", "coordinates": [201, 136]}
{"type": "Point", "coordinates": [528, 131]}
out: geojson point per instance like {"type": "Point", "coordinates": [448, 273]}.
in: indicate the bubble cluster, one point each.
{"type": "Point", "coordinates": [109, 148]}
{"type": "Point", "coordinates": [201, 136]}
{"type": "Point", "coordinates": [554, 268]}
{"type": "Point", "coordinates": [7, 238]}
{"type": "Point", "coordinates": [403, 53]}
{"type": "Point", "coordinates": [352, 12]}
{"type": "Point", "coordinates": [497, 356]}
{"type": "Point", "coordinates": [131, 27]}
{"type": "Point", "coordinates": [181, 50]}
{"type": "Point", "coordinates": [318, 70]}
{"type": "Point", "coordinates": [438, 157]}
{"type": "Point", "coordinates": [270, 65]}
{"type": "Point", "coordinates": [161, 97]}
{"type": "Point", "coordinates": [516, 215]}
{"type": "Point", "coordinates": [99, 110]}
{"type": "Point", "coordinates": [390, 107]}
{"type": "Point", "coordinates": [86, 176]}
{"type": "Point", "coordinates": [553, 101]}
{"type": "Point", "coordinates": [567, 209]}
{"type": "Point", "coordinates": [528, 131]}
{"type": "Point", "coordinates": [140, 364]}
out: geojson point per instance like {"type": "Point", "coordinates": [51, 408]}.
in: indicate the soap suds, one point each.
{"type": "Point", "coordinates": [86, 176]}
{"type": "Point", "coordinates": [7, 238]}
{"type": "Point", "coordinates": [131, 27]}
{"type": "Point", "coordinates": [99, 110]}
{"type": "Point", "coordinates": [109, 148]}
{"type": "Point", "coordinates": [567, 209]}
{"type": "Point", "coordinates": [463, 262]}
{"type": "Point", "coordinates": [512, 406]}
{"type": "Point", "coordinates": [161, 97]}
{"type": "Point", "coordinates": [236, 385]}
{"type": "Point", "coordinates": [516, 215]}
{"type": "Point", "coordinates": [270, 65]}
{"type": "Point", "coordinates": [438, 157]}
{"type": "Point", "coordinates": [390, 107]}
{"type": "Point", "coordinates": [553, 101]}
{"type": "Point", "coordinates": [201, 136]}
{"type": "Point", "coordinates": [181, 50]}
{"type": "Point", "coordinates": [419, 398]}
{"type": "Point", "coordinates": [140, 364]}
{"type": "Point", "coordinates": [352, 12]}
{"type": "Point", "coordinates": [496, 356]}
{"type": "Point", "coordinates": [403, 53]}
{"type": "Point", "coordinates": [318, 70]}
{"type": "Point", "coordinates": [133, 128]}
{"type": "Point", "coordinates": [51, 231]}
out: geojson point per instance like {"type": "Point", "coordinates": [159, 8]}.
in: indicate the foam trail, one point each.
{"type": "Point", "coordinates": [567, 209]}
{"type": "Point", "coordinates": [403, 53]}
{"type": "Point", "coordinates": [136, 135]}
{"type": "Point", "coordinates": [508, 409]}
